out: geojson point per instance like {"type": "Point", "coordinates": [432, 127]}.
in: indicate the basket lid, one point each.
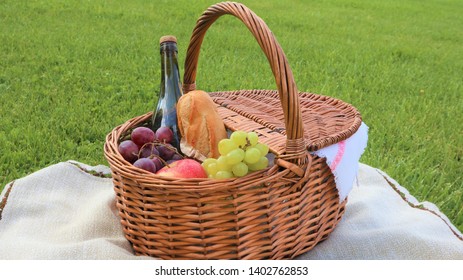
{"type": "Point", "coordinates": [326, 120]}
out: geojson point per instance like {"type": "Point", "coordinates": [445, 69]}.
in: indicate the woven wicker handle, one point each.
{"type": "Point", "coordinates": [282, 72]}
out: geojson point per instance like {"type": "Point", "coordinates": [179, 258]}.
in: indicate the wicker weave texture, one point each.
{"type": "Point", "coordinates": [276, 213]}
{"type": "Point", "coordinates": [326, 120]}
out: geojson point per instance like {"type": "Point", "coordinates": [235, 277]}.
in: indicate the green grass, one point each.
{"type": "Point", "coordinates": [70, 71]}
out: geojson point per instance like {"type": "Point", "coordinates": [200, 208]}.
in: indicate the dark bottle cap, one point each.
{"type": "Point", "coordinates": [167, 38]}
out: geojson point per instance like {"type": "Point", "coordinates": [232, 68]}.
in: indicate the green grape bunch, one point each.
{"type": "Point", "coordinates": [239, 155]}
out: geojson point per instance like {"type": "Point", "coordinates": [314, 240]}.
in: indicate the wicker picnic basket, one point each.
{"type": "Point", "coordinates": [276, 213]}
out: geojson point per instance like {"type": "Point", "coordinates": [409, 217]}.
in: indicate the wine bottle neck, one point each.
{"type": "Point", "coordinates": [169, 67]}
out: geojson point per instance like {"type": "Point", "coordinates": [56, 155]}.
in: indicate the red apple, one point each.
{"type": "Point", "coordinates": [184, 168]}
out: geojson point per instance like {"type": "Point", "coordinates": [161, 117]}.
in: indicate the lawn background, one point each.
{"type": "Point", "coordinates": [70, 71]}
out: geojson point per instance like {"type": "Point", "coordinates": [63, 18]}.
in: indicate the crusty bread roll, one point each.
{"type": "Point", "coordinates": [199, 123]}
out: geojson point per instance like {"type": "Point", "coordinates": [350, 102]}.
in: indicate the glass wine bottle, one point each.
{"type": "Point", "coordinates": [165, 113]}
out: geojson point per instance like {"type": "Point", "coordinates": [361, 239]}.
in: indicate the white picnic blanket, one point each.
{"type": "Point", "coordinates": [67, 212]}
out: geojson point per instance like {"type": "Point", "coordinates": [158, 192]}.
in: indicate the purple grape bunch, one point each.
{"type": "Point", "coordinates": [150, 150]}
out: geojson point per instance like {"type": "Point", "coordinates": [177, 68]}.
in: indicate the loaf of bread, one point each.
{"type": "Point", "coordinates": [199, 123]}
